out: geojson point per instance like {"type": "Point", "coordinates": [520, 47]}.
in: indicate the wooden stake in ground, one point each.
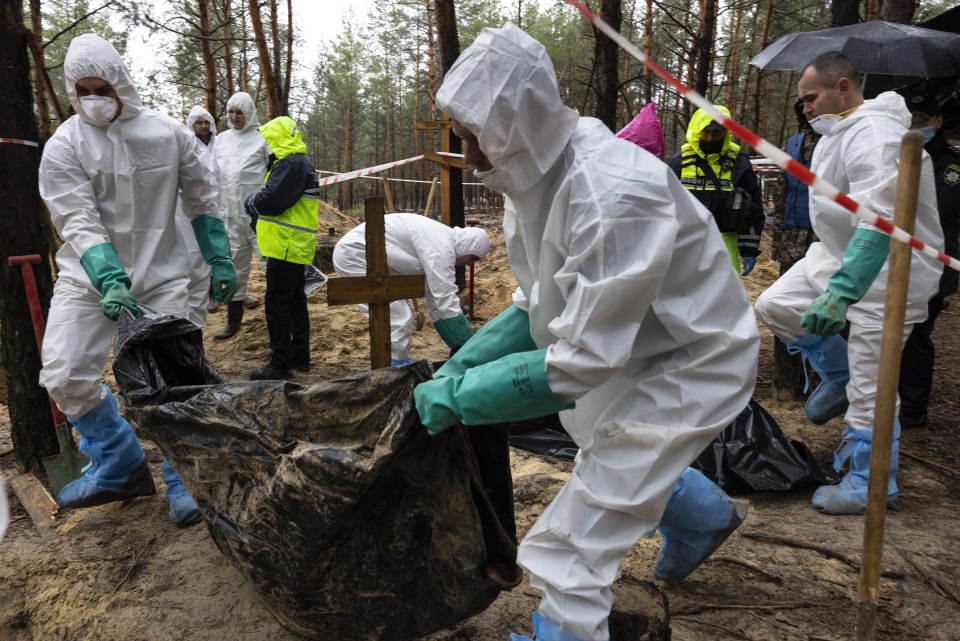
{"type": "Point", "coordinates": [891, 346]}
{"type": "Point", "coordinates": [378, 288]}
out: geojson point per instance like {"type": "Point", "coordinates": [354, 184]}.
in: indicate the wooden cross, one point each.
{"type": "Point", "coordinates": [378, 288]}
{"type": "Point", "coordinates": [451, 182]}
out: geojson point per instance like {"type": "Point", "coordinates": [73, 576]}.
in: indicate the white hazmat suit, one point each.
{"type": "Point", "coordinates": [115, 183]}
{"type": "Point", "coordinates": [415, 245]}
{"type": "Point", "coordinates": [199, 287]}
{"type": "Point", "coordinates": [860, 157]}
{"type": "Point", "coordinates": [628, 286]}
{"type": "Point", "coordinates": [242, 156]}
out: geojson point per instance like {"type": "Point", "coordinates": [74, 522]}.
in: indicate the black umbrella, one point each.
{"type": "Point", "coordinates": [875, 47]}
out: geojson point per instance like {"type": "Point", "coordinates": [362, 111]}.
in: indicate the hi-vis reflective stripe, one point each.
{"type": "Point", "coordinates": [17, 141]}
{"type": "Point", "coordinates": [768, 149]}
{"type": "Point", "coordinates": [267, 219]}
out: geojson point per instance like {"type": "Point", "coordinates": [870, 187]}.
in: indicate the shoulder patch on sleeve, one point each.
{"type": "Point", "coordinates": [951, 175]}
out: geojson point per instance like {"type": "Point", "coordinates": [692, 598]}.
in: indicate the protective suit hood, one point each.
{"type": "Point", "coordinates": [91, 56]}
{"type": "Point", "coordinates": [699, 122]}
{"type": "Point", "coordinates": [243, 101]}
{"type": "Point", "coordinates": [889, 104]}
{"type": "Point", "coordinates": [644, 131]}
{"type": "Point", "coordinates": [199, 113]}
{"type": "Point", "coordinates": [470, 241]}
{"type": "Point", "coordinates": [283, 136]}
{"type": "Point", "coordinates": [504, 90]}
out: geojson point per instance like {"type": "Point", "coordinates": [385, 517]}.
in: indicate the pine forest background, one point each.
{"type": "Point", "coordinates": [358, 106]}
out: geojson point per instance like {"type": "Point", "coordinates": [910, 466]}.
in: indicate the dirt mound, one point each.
{"type": "Point", "coordinates": [123, 572]}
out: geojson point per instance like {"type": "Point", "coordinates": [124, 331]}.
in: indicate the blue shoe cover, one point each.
{"type": "Point", "coordinates": [183, 509]}
{"type": "Point", "coordinates": [828, 401]}
{"type": "Point", "coordinates": [827, 355]}
{"type": "Point", "coordinates": [117, 469]}
{"type": "Point", "coordinates": [698, 518]}
{"type": "Point", "coordinates": [850, 495]}
{"type": "Point", "coordinates": [403, 361]}
{"type": "Point", "coordinates": [543, 630]}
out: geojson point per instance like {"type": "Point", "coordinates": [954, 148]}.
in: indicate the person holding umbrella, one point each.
{"type": "Point", "coordinates": [843, 277]}
{"type": "Point", "coordinates": [916, 366]}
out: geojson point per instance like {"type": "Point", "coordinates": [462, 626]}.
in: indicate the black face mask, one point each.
{"type": "Point", "coordinates": [711, 147]}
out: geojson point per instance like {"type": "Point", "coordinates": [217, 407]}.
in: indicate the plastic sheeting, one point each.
{"type": "Point", "coordinates": [752, 454]}
{"type": "Point", "coordinates": [330, 499]}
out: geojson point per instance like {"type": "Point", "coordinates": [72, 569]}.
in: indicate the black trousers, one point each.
{"type": "Point", "coordinates": [916, 366]}
{"type": "Point", "coordinates": [286, 310]}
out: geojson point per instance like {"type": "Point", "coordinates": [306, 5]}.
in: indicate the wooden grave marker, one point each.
{"type": "Point", "coordinates": [378, 288]}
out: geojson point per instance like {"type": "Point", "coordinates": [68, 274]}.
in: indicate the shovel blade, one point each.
{"type": "Point", "coordinates": [67, 466]}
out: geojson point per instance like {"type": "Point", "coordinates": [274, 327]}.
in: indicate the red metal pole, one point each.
{"type": "Point", "coordinates": [36, 315]}
{"type": "Point", "coordinates": [472, 222]}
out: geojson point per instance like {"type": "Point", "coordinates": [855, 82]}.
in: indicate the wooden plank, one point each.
{"type": "Point", "coordinates": [433, 189]}
{"type": "Point", "coordinates": [388, 194]}
{"type": "Point", "coordinates": [373, 289]}
{"type": "Point", "coordinates": [446, 161]}
{"type": "Point", "coordinates": [444, 178]}
{"type": "Point", "coordinates": [432, 125]}
{"type": "Point", "coordinates": [376, 247]}
{"type": "Point", "coordinates": [38, 503]}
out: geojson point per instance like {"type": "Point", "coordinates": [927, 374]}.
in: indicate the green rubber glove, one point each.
{"type": "Point", "coordinates": [508, 333]}
{"type": "Point", "coordinates": [455, 331]}
{"type": "Point", "coordinates": [511, 388]}
{"type": "Point", "coordinates": [105, 271]}
{"type": "Point", "coordinates": [862, 261]}
{"type": "Point", "coordinates": [215, 249]}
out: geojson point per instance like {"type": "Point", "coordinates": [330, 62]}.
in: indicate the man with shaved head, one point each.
{"type": "Point", "coordinates": [842, 278]}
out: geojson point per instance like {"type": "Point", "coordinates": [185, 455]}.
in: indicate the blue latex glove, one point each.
{"type": "Point", "coordinates": [455, 331]}
{"type": "Point", "coordinates": [215, 249]}
{"type": "Point", "coordinates": [749, 262]}
{"type": "Point", "coordinates": [508, 333]}
{"type": "Point", "coordinates": [862, 261]}
{"type": "Point", "coordinates": [511, 388]}
{"type": "Point", "coordinates": [105, 271]}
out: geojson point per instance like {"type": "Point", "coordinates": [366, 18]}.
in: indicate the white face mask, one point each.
{"type": "Point", "coordinates": [493, 180]}
{"type": "Point", "coordinates": [100, 109]}
{"type": "Point", "coordinates": [825, 123]}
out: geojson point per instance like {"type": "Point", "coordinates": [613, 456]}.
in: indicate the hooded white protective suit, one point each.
{"type": "Point", "coordinates": [242, 156]}
{"type": "Point", "coordinates": [119, 183]}
{"type": "Point", "coordinates": [415, 245]}
{"type": "Point", "coordinates": [860, 157]}
{"type": "Point", "coordinates": [199, 270]}
{"type": "Point", "coordinates": [628, 284]}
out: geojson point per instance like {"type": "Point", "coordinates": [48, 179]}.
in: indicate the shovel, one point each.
{"type": "Point", "coordinates": [68, 465]}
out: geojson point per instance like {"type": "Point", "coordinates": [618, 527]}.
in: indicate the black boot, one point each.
{"type": "Point", "coordinates": [234, 316]}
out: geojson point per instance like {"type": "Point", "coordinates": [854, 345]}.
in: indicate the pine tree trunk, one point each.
{"type": "Point", "coordinates": [708, 23]}
{"type": "Point", "coordinates": [449, 52]}
{"type": "Point", "coordinates": [21, 213]}
{"type": "Point", "coordinates": [209, 65]}
{"type": "Point", "coordinates": [266, 66]}
{"type": "Point", "coordinates": [844, 12]}
{"type": "Point", "coordinates": [606, 52]}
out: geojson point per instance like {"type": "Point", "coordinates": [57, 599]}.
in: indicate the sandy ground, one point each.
{"type": "Point", "coordinates": [123, 572]}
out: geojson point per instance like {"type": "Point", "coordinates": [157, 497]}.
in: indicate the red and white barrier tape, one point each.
{"type": "Point", "coordinates": [17, 141]}
{"type": "Point", "coordinates": [356, 173]}
{"type": "Point", "coordinates": [768, 149]}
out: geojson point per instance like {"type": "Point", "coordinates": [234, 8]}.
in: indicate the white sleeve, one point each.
{"type": "Point", "coordinates": [608, 283]}
{"type": "Point", "coordinates": [68, 193]}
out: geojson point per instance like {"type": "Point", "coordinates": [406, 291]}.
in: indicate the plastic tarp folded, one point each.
{"type": "Point", "coordinates": [752, 454]}
{"type": "Point", "coordinates": [334, 503]}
